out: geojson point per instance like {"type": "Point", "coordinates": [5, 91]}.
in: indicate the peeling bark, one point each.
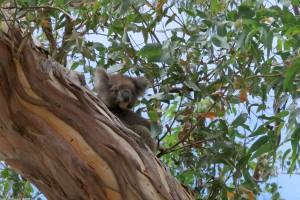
{"type": "Point", "coordinates": [62, 138]}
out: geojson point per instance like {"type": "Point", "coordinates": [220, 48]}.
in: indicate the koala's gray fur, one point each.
{"type": "Point", "coordinates": [120, 93]}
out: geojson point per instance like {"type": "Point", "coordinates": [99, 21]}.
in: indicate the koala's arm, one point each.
{"type": "Point", "coordinates": [139, 125]}
{"type": "Point", "coordinates": [130, 118]}
{"type": "Point", "coordinates": [145, 134]}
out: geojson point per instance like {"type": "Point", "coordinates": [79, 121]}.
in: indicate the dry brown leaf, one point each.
{"type": "Point", "coordinates": [243, 96]}
{"type": "Point", "coordinates": [210, 115]}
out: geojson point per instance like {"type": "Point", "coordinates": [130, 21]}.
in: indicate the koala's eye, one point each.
{"type": "Point", "coordinates": [114, 90]}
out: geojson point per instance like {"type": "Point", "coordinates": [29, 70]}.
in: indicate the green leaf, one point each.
{"type": "Point", "coordinates": [295, 154]}
{"type": "Point", "coordinates": [289, 17]}
{"type": "Point", "coordinates": [232, 15]}
{"type": "Point", "coordinates": [282, 114]}
{"type": "Point", "coordinates": [125, 38]}
{"type": "Point", "coordinates": [162, 96]}
{"type": "Point", "coordinates": [22, 3]}
{"type": "Point", "coordinates": [269, 43]}
{"type": "Point", "coordinates": [155, 129]}
{"type": "Point", "coordinates": [202, 14]}
{"type": "Point", "coordinates": [197, 38]}
{"type": "Point", "coordinates": [165, 57]}
{"type": "Point", "coordinates": [286, 153]}
{"type": "Point", "coordinates": [241, 164]}
{"type": "Point", "coordinates": [216, 41]}
{"type": "Point", "coordinates": [259, 131]}
{"type": "Point", "coordinates": [290, 75]}
{"type": "Point", "coordinates": [245, 12]}
{"type": "Point", "coordinates": [241, 38]}
{"type": "Point", "coordinates": [192, 85]}
{"type": "Point", "coordinates": [290, 133]}
{"type": "Point", "coordinates": [170, 19]}
{"type": "Point", "coordinates": [149, 50]}
{"type": "Point", "coordinates": [258, 143]}
{"type": "Point", "coordinates": [258, 4]}
{"type": "Point", "coordinates": [99, 46]}
{"type": "Point", "coordinates": [28, 187]}
{"type": "Point", "coordinates": [87, 53]}
{"type": "Point", "coordinates": [296, 134]}
{"type": "Point", "coordinates": [241, 119]}
{"type": "Point", "coordinates": [5, 173]}
{"type": "Point", "coordinates": [153, 115]}
{"type": "Point", "coordinates": [249, 179]}
{"type": "Point", "coordinates": [221, 30]}
{"type": "Point", "coordinates": [145, 33]}
{"type": "Point", "coordinates": [6, 187]}
{"type": "Point", "coordinates": [116, 68]}
{"type": "Point", "coordinates": [279, 44]}
{"type": "Point", "coordinates": [264, 148]}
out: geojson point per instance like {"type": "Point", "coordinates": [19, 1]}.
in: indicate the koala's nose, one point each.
{"type": "Point", "coordinates": [126, 96]}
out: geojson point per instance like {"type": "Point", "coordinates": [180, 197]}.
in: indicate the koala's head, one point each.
{"type": "Point", "coordinates": [119, 91]}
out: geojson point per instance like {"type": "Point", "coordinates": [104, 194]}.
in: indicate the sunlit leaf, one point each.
{"type": "Point", "coordinates": [74, 65]}
{"type": "Point", "coordinates": [230, 194]}
{"type": "Point", "coordinates": [268, 20]}
{"type": "Point", "coordinates": [282, 114]}
{"type": "Point", "coordinates": [153, 115]}
{"type": "Point", "coordinates": [279, 44]}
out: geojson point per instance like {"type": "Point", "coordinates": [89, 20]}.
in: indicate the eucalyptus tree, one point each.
{"type": "Point", "coordinates": [223, 100]}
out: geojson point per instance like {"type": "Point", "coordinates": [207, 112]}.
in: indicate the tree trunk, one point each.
{"type": "Point", "coordinates": [61, 137]}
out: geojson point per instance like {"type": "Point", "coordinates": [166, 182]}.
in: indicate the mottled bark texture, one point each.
{"type": "Point", "coordinates": [58, 135]}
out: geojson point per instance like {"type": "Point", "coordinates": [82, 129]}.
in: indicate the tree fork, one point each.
{"type": "Point", "coordinates": [63, 139]}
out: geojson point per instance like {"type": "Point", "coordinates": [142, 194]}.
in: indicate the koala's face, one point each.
{"type": "Point", "coordinates": [122, 91]}
{"type": "Point", "coordinates": [119, 91]}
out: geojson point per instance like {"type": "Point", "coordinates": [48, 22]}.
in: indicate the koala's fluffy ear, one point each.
{"type": "Point", "coordinates": [141, 84]}
{"type": "Point", "coordinates": [101, 79]}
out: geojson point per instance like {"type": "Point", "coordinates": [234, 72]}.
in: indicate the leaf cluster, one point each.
{"type": "Point", "coordinates": [14, 186]}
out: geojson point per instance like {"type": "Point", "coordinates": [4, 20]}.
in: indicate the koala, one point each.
{"type": "Point", "coordinates": [119, 93]}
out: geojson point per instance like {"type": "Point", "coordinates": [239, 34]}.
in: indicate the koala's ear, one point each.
{"type": "Point", "coordinates": [101, 79]}
{"type": "Point", "coordinates": [141, 84]}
